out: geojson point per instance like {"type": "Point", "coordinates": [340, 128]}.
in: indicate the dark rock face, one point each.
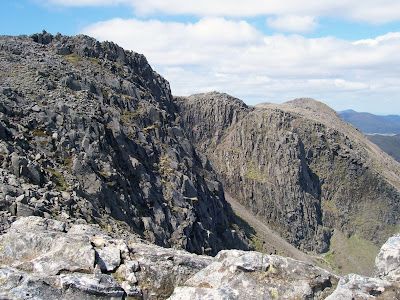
{"type": "Point", "coordinates": [298, 167]}
{"type": "Point", "coordinates": [89, 132]}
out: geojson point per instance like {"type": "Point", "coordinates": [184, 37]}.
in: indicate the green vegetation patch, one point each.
{"type": "Point", "coordinates": [39, 133]}
{"type": "Point", "coordinates": [255, 174]}
{"type": "Point", "coordinates": [257, 244]}
{"type": "Point", "coordinates": [351, 254]}
{"type": "Point", "coordinates": [151, 127]}
{"type": "Point", "coordinates": [73, 58]}
{"type": "Point", "coordinates": [128, 116]}
{"type": "Point", "coordinates": [59, 180]}
{"type": "Point", "coordinates": [330, 206]}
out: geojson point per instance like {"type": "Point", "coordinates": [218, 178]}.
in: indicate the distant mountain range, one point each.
{"type": "Point", "coordinates": [388, 143]}
{"type": "Point", "coordinates": [384, 131]}
{"type": "Point", "coordinates": [370, 123]}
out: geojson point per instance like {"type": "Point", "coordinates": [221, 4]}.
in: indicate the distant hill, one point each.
{"type": "Point", "coordinates": [388, 143]}
{"type": "Point", "coordinates": [370, 123]}
{"type": "Point", "coordinates": [384, 131]}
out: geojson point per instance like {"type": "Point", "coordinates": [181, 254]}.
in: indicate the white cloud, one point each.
{"type": "Point", "coordinates": [232, 56]}
{"type": "Point", "coordinates": [81, 3]}
{"type": "Point", "coordinates": [371, 11]}
{"type": "Point", "coordinates": [292, 23]}
{"type": "Point", "coordinates": [389, 37]}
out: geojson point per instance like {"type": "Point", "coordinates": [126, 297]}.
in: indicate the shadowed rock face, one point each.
{"type": "Point", "coordinates": [298, 167]}
{"type": "Point", "coordinates": [89, 132]}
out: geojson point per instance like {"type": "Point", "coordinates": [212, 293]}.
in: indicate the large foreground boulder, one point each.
{"type": "Point", "coordinates": [45, 259]}
{"type": "Point", "coordinates": [253, 275]}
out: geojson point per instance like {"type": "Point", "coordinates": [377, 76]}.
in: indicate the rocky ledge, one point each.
{"type": "Point", "coordinates": [48, 259]}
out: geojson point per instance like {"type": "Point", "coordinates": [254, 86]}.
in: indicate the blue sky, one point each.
{"type": "Point", "coordinates": [344, 53]}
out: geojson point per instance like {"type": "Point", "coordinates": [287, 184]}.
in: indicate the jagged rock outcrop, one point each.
{"type": "Point", "coordinates": [298, 167]}
{"type": "Point", "coordinates": [32, 266]}
{"type": "Point", "coordinates": [89, 132]}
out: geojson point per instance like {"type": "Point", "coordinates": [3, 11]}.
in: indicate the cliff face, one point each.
{"type": "Point", "coordinates": [89, 132]}
{"type": "Point", "coordinates": [298, 167]}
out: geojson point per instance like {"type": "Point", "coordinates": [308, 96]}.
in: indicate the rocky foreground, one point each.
{"type": "Point", "coordinates": [48, 259]}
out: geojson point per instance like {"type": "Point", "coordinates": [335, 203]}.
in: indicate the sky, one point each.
{"type": "Point", "coordinates": [345, 53]}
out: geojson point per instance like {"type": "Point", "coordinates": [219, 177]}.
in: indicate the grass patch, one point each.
{"type": "Point", "coordinates": [73, 58]}
{"type": "Point", "coordinates": [39, 133]}
{"type": "Point", "coordinates": [59, 180]}
{"type": "Point", "coordinates": [94, 60]}
{"type": "Point", "coordinates": [257, 244]}
{"type": "Point", "coordinates": [164, 166]}
{"type": "Point", "coordinates": [128, 116]}
{"type": "Point", "coordinates": [151, 127]}
{"type": "Point", "coordinates": [68, 163]}
{"type": "Point", "coordinates": [330, 206]}
{"type": "Point", "coordinates": [253, 173]}
{"type": "Point", "coordinates": [351, 255]}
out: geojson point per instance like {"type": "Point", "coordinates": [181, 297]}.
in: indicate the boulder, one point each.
{"type": "Point", "coordinates": [359, 287]}
{"type": "Point", "coordinates": [387, 261]}
{"type": "Point", "coordinates": [108, 258]}
{"type": "Point", "coordinates": [32, 245]}
{"type": "Point", "coordinates": [251, 275]}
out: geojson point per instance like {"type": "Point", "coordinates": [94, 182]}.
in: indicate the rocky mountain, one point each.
{"type": "Point", "coordinates": [45, 259]}
{"type": "Point", "coordinates": [89, 133]}
{"type": "Point", "coordinates": [370, 123]}
{"type": "Point", "coordinates": [300, 169]}
{"type": "Point", "coordinates": [105, 177]}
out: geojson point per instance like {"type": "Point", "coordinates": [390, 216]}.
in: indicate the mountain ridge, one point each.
{"type": "Point", "coordinates": [302, 173]}
{"type": "Point", "coordinates": [370, 123]}
{"type": "Point", "coordinates": [89, 132]}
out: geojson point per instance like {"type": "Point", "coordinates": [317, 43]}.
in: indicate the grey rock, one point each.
{"type": "Point", "coordinates": [101, 285]}
{"type": "Point", "coordinates": [387, 261]}
{"type": "Point", "coordinates": [20, 198]}
{"type": "Point", "coordinates": [159, 270]}
{"type": "Point", "coordinates": [24, 210]}
{"type": "Point", "coordinates": [359, 287]}
{"type": "Point", "coordinates": [48, 253]}
{"type": "Point", "coordinates": [252, 275]}
{"type": "Point", "coordinates": [108, 258]}
{"type": "Point", "coordinates": [112, 141]}
{"type": "Point", "coordinates": [41, 259]}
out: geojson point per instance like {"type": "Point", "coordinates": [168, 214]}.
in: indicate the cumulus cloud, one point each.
{"type": "Point", "coordinates": [233, 56]}
{"type": "Point", "coordinates": [371, 11]}
{"type": "Point", "coordinates": [292, 23]}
